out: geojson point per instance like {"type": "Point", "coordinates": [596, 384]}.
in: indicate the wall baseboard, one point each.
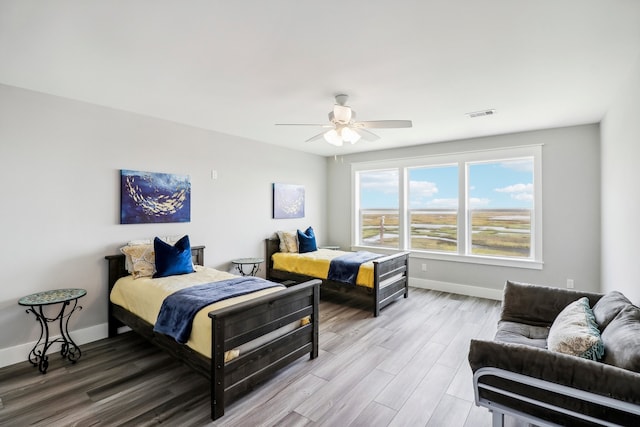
{"type": "Point", "coordinates": [19, 353]}
{"type": "Point", "coordinates": [456, 288]}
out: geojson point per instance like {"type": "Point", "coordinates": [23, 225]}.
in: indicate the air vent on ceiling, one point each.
{"type": "Point", "coordinates": [482, 113]}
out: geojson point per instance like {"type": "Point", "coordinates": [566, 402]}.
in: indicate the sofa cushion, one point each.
{"type": "Point", "coordinates": [538, 305]}
{"type": "Point", "coordinates": [622, 340]}
{"type": "Point", "coordinates": [520, 333]}
{"type": "Point", "coordinates": [608, 307]}
{"type": "Point", "coordinates": [575, 332]}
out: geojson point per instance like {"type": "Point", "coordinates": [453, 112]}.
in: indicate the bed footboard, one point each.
{"type": "Point", "coordinates": [245, 322]}
{"type": "Point", "coordinates": [391, 280]}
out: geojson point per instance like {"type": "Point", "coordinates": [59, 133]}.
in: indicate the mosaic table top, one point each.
{"type": "Point", "coordinates": [248, 261]}
{"type": "Point", "coordinates": [52, 297]}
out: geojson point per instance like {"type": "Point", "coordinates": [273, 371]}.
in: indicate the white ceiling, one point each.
{"type": "Point", "coordinates": [239, 67]}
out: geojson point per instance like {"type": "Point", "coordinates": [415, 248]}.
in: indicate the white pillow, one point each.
{"type": "Point", "coordinates": [140, 260]}
{"type": "Point", "coordinates": [288, 241]}
{"type": "Point", "coordinates": [575, 332]}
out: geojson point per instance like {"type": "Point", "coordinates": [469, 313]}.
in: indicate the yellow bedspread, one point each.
{"type": "Point", "coordinates": [144, 296]}
{"type": "Point", "coordinates": [316, 264]}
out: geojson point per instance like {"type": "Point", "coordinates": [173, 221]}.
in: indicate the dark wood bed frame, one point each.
{"type": "Point", "coordinates": [391, 274]}
{"type": "Point", "coordinates": [231, 327]}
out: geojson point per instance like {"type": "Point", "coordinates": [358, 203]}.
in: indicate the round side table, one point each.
{"type": "Point", "coordinates": [38, 357]}
{"type": "Point", "coordinates": [253, 262]}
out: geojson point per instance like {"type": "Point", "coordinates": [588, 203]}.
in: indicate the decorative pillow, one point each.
{"type": "Point", "coordinates": [288, 241]}
{"type": "Point", "coordinates": [608, 307]}
{"type": "Point", "coordinates": [283, 243]}
{"type": "Point", "coordinates": [307, 241]}
{"type": "Point", "coordinates": [622, 340]}
{"type": "Point", "coordinates": [140, 260]}
{"type": "Point", "coordinates": [575, 332]}
{"type": "Point", "coordinates": [173, 260]}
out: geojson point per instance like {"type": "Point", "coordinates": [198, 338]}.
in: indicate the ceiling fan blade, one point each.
{"type": "Point", "coordinates": [305, 124]}
{"type": "Point", "coordinates": [366, 135]}
{"type": "Point", "coordinates": [383, 124]}
{"type": "Point", "coordinates": [315, 138]}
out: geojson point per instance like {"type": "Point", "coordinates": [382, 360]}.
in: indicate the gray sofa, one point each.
{"type": "Point", "coordinates": [516, 374]}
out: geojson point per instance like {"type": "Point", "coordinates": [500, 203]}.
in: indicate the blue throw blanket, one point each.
{"type": "Point", "coordinates": [345, 267]}
{"type": "Point", "coordinates": [179, 308]}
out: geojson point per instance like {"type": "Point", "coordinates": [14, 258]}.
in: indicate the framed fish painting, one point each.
{"type": "Point", "coordinates": [151, 197]}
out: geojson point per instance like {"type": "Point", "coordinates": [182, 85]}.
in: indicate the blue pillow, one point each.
{"type": "Point", "coordinates": [172, 260]}
{"type": "Point", "coordinates": [307, 241]}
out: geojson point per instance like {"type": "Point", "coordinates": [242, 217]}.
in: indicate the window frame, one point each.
{"type": "Point", "coordinates": [462, 159]}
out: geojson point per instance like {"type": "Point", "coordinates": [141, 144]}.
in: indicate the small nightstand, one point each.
{"type": "Point", "coordinates": [332, 247]}
{"type": "Point", "coordinates": [35, 302]}
{"type": "Point", "coordinates": [254, 262]}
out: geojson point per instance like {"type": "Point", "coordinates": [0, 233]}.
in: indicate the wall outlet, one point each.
{"type": "Point", "coordinates": [570, 283]}
{"type": "Point", "coordinates": [424, 267]}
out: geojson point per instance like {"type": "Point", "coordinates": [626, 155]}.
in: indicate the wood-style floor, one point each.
{"type": "Point", "coordinates": [407, 367]}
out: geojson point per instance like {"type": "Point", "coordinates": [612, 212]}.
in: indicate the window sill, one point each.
{"type": "Point", "coordinates": [469, 259]}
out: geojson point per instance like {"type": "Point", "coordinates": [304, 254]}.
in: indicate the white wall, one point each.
{"type": "Point", "coordinates": [59, 169]}
{"type": "Point", "coordinates": [620, 191]}
{"type": "Point", "coordinates": [571, 212]}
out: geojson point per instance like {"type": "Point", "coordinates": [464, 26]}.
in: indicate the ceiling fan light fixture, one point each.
{"type": "Point", "coordinates": [345, 127]}
{"type": "Point", "coordinates": [349, 135]}
{"type": "Point", "coordinates": [333, 138]}
{"type": "Point", "coordinates": [342, 113]}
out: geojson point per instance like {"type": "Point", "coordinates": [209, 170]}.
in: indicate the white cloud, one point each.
{"type": "Point", "coordinates": [520, 192]}
{"type": "Point", "coordinates": [421, 189]}
{"type": "Point", "coordinates": [516, 188]}
{"type": "Point", "coordinates": [523, 197]}
{"type": "Point", "coordinates": [385, 181]}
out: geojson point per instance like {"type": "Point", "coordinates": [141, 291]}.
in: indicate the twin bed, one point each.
{"type": "Point", "coordinates": [379, 283]}
{"type": "Point", "coordinates": [241, 341]}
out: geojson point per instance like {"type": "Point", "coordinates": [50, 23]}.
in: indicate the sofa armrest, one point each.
{"type": "Point", "coordinates": [571, 371]}
{"type": "Point", "coordinates": [538, 305]}
{"type": "Point", "coordinates": [602, 392]}
{"type": "Point", "coordinates": [553, 412]}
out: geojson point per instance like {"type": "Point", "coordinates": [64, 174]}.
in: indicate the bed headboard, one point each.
{"type": "Point", "coordinates": [117, 270]}
{"type": "Point", "coordinates": [272, 245]}
{"type": "Point", "coordinates": [117, 266]}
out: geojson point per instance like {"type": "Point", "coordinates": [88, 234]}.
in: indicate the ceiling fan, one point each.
{"type": "Point", "coordinates": [344, 127]}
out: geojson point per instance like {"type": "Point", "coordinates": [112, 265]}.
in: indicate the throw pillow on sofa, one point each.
{"type": "Point", "coordinates": [608, 307]}
{"type": "Point", "coordinates": [622, 340]}
{"type": "Point", "coordinates": [575, 332]}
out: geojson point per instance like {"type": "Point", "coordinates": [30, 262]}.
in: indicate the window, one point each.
{"type": "Point", "coordinates": [482, 207]}
{"type": "Point", "coordinates": [500, 207]}
{"type": "Point", "coordinates": [433, 208]}
{"type": "Point", "coordinates": [378, 216]}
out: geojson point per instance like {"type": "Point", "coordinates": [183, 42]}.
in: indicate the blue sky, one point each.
{"type": "Point", "coordinates": [493, 185]}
